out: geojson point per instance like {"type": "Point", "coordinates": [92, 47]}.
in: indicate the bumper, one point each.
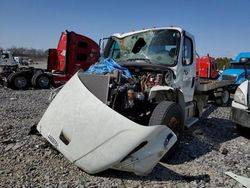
{"type": "Point", "coordinates": [95, 137]}
{"type": "Point", "coordinates": [241, 117]}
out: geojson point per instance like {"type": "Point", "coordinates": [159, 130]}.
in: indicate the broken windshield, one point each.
{"type": "Point", "coordinates": [239, 66]}
{"type": "Point", "coordinates": [154, 46]}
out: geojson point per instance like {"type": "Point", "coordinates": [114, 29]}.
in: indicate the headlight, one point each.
{"type": "Point", "coordinates": [239, 97]}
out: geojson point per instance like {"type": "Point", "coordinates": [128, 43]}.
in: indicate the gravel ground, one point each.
{"type": "Point", "coordinates": [208, 149]}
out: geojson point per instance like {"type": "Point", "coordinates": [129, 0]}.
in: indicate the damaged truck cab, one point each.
{"type": "Point", "coordinates": [162, 62]}
{"type": "Point", "coordinates": [129, 117]}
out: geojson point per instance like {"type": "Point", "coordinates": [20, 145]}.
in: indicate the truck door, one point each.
{"type": "Point", "coordinates": [189, 68]}
{"type": "Point", "coordinates": [52, 62]}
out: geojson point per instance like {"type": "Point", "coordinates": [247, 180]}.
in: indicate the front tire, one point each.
{"type": "Point", "coordinates": [170, 114]}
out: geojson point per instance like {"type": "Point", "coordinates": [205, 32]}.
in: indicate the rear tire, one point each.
{"type": "Point", "coordinates": [18, 80]}
{"type": "Point", "coordinates": [40, 80]}
{"type": "Point", "coordinates": [170, 114]}
{"type": "Point", "coordinates": [224, 99]}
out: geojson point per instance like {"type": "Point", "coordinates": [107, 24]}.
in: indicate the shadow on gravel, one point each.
{"type": "Point", "coordinates": [244, 131]}
{"type": "Point", "coordinates": [206, 135]}
{"type": "Point", "coordinates": [160, 173]}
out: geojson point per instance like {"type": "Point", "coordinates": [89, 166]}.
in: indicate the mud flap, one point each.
{"type": "Point", "coordinates": [94, 137]}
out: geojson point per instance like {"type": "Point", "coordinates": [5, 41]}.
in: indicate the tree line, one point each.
{"type": "Point", "coordinates": [223, 62]}
{"type": "Point", "coordinates": [28, 52]}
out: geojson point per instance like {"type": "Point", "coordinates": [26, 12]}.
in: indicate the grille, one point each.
{"type": "Point", "coordinates": [228, 77]}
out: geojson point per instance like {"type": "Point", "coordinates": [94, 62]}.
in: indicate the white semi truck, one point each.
{"type": "Point", "coordinates": [6, 58]}
{"type": "Point", "coordinates": [129, 121]}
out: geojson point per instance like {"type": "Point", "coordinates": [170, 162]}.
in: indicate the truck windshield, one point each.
{"type": "Point", "coordinates": [156, 47]}
{"type": "Point", "coordinates": [5, 56]}
{"type": "Point", "coordinates": [239, 66]}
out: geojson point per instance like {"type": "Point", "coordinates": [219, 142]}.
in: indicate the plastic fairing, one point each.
{"type": "Point", "coordinates": [94, 137]}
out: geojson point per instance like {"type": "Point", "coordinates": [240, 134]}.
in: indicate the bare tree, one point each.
{"type": "Point", "coordinates": [28, 52]}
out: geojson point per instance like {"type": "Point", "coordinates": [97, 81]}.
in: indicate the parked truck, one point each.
{"type": "Point", "coordinates": [129, 110]}
{"type": "Point", "coordinates": [74, 52]}
{"type": "Point", "coordinates": [7, 63]}
{"type": "Point", "coordinates": [240, 111]}
{"type": "Point", "coordinates": [6, 58]}
{"type": "Point", "coordinates": [236, 71]}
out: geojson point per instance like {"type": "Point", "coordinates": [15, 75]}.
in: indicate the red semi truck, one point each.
{"type": "Point", "coordinates": [206, 67]}
{"type": "Point", "coordinates": [74, 52]}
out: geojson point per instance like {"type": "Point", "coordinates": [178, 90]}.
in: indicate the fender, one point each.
{"type": "Point", "coordinates": [159, 90]}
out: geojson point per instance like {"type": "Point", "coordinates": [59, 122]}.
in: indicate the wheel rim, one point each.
{"type": "Point", "coordinates": [43, 81]}
{"type": "Point", "coordinates": [174, 125]}
{"type": "Point", "coordinates": [225, 96]}
{"type": "Point", "coordinates": [20, 82]}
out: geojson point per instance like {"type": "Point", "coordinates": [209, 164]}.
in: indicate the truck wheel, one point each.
{"type": "Point", "coordinates": [224, 99]}
{"type": "Point", "coordinates": [40, 80]}
{"type": "Point", "coordinates": [170, 114]}
{"type": "Point", "coordinates": [17, 80]}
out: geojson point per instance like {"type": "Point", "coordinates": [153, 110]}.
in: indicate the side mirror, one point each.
{"type": "Point", "coordinates": [244, 60]}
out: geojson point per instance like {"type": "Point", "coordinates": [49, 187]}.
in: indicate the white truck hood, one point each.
{"type": "Point", "coordinates": [95, 137]}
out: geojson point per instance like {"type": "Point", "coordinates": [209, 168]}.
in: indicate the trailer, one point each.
{"type": "Point", "coordinates": [128, 111]}
{"type": "Point", "coordinates": [74, 52]}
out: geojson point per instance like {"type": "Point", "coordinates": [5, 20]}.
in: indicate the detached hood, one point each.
{"type": "Point", "coordinates": [95, 137]}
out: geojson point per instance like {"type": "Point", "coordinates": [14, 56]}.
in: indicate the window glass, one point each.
{"type": "Point", "coordinates": [115, 50]}
{"type": "Point", "coordinates": [238, 66]}
{"type": "Point", "coordinates": [5, 56]}
{"type": "Point", "coordinates": [152, 47]}
{"type": "Point", "coordinates": [187, 51]}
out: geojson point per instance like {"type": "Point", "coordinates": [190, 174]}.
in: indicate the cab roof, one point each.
{"type": "Point", "coordinates": [240, 55]}
{"type": "Point", "coordinates": [122, 35]}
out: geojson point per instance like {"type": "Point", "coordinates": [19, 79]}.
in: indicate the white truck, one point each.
{"type": "Point", "coordinates": [129, 121]}
{"type": "Point", "coordinates": [6, 58]}
{"type": "Point", "coordinates": [240, 111]}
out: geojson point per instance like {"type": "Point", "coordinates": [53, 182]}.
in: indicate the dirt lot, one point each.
{"type": "Point", "coordinates": [211, 147]}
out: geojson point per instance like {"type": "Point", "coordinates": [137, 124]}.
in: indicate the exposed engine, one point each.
{"type": "Point", "coordinates": [130, 96]}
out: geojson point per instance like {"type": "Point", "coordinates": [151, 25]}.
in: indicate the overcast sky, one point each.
{"type": "Point", "coordinates": [220, 27]}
